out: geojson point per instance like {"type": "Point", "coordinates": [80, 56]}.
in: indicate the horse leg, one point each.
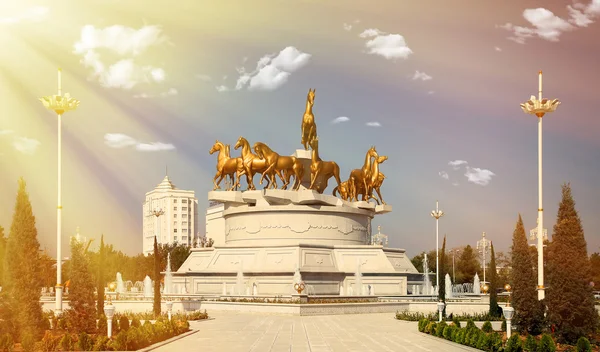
{"type": "Point", "coordinates": [379, 193]}
{"type": "Point", "coordinates": [314, 178]}
{"type": "Point", "coordinates": [215, 180]}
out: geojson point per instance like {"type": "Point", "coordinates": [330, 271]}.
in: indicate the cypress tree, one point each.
{"type": "Point", "coordinates": [529, 315]}
{"type": "Point", "coordinates": [467, 265]}
{"type": "Point", "coordinates": [442, 274]}
{"type": "Point", "coordinates": [101, 277]}
{"type": "Point", "coordinates": [156, 305]}
{"type": "Point", "coordinates": [23, 283]}
{"type": "Point", "coordinates": [81, 291]}
{"type": "Point", "coordinates": [569, 295]}
{"type": "Point", "coordinates": [492, 275]}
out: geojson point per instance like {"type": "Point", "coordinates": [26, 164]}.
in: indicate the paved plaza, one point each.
{"type": "Point", "coordinates": [277, 333]}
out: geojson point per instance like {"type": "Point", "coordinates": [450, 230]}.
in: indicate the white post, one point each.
{"type": "Point", "coordinates": [484, 243]}
{"type": "Point", "coordinates": [453, 275]}
{"type": "Point", "coordinates": [58, 294]}
{"type": "Point", "coordinates": [437, 214]}
{"type": "Point", "coordinates": [541, 292]}
{"type": "Point", "coordinates": [508, 314]}
{"type": "Point", "coordinates": [109, 311]}
{"type": "Point", "coordinates": [169, 308]}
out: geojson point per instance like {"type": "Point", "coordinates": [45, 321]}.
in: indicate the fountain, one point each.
{"type": "Point", "coordinates": [147, 286]}
{"type": "Point", "coordinates": [120, 285]}
{"type": "Point", "coordinates": [358, 280]}
{"type": "Point", "coordinates": [297, 279]}
{"type": "Point", "coordinates": [427, 289]}
{"type": "Point", "coordinates": [476, 285]}
{"type": "Point", "coordinates": [448, 286]}
{"type": "Point", "coordinates": [138, 287]}
{"type": "Point", "coordinates": [168, 276]}
{"type": "Point", "coordinates": [128, 285]}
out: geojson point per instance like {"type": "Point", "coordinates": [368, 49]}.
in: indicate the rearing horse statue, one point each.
{"type": "Point", "coordinates": [309, 128]}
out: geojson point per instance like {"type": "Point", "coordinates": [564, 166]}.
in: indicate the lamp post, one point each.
{"type": "Point", "coordinates": [440, 307]}
{"type": "Point", "coordinates": [483, 245]}
{"type": "Point", "coordinates": [437, 214]}
{"type": "Point", "coordinates": [539, 107]}
{"type": "Point", "coordinates": [60, 104]}
{"type": "Point", "coordinates": [109, 311]}
{"type": "Point", "coordinates": [508, 312]}
{"type": "Point", "coordinates": [157, 213]}
{"type": "Point", "coordinates": [169, 305]}
{"type": "Point", "coordinates": [453, 275]}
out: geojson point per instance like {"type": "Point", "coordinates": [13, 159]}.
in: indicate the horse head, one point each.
{"type": "Point", "coordinates": [311, 96]}
{"type": "Point", "coordinates": [373, 153]}
{"type": "Point", "coordinates": [217, 146]}
{"type": "Point", "coordinates": [314, 144]}
{"type": "Point", "coordinates": [240, 142]}
{"type": "Point", "coordinates": [381, 159]}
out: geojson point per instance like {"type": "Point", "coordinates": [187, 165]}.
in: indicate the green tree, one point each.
{"type": "Point", "coordinates": [569, 296]}
{"type": "Point", "coordinates": [81, 291]}
{"type": "Point", "coordinates": [595, 263]}
{"type": "Point", "coordinates": [529, 314]}
{"type": "Point", "coordinates": [467, 266]}
{"type": "Point", "coordinates": [442, 274]}
{"type": "Point", "coordinates": [47, 270]}
{"type": "Point", "coordinates": [100, 278]}
{"type": "Point", "coordinates": [493, 277]}
{"type": "Point", "coordinates": [157, 277]}
{"type": "Point", "coordinates": [23, 281]}
{"type": "Point", "coordinates": [2, 253]}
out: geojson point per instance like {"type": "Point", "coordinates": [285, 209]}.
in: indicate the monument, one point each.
{"type": "Point", "coordinates": [270, 233]}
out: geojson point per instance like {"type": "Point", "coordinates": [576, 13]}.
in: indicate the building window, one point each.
{"type": "Point", "coordinates": [184, 201]}
{"type": "Point", "coordinates": [175, 223]}
{"type": "Point", "coordinates": [185, 222]}
{"type": "Point", "coordinates": [175, 230]}
{"type": "Point", "coordinates": [174, 215]}
{"type": "Point", "coordinates": [184, 238]}
{"type": "Point", "coordinates": [175, 238]}
{"type": "Point", "coordinates": [184, 208]}
{"type": "Point", "coordinates": [175, 208]}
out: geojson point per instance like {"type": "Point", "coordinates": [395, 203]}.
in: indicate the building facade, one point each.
{"type": "Point", "coordinates": [170, 214]}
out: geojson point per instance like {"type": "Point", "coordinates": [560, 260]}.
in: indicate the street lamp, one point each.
{"type": "Point", "coordinates": [483, 245]}
{"type": "Point", "coordinates": [157, 213]}
{"type": "Point", "coordinates": [109, 311]}
{"type": "Point", "coordinates": [440, 307]}
{"type": "Point", "coordinates": [508, 312]}
{"type": "Point", "coordinates": [60, 104]}
{"type": "Point", "coordinates": [437, 214]}
{"type": "Point", "coordinates": [539, 107]}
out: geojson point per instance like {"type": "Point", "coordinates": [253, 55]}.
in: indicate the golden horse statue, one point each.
{"type": "Point", "coordinates": [321, 171]}
{"type": "Point", "coordinates": [281, 165]}
{"type": "Point", "coordinates": [309, 128]}
{"type": "Point", "coordinates": [251, 164]}
{"type": "Point", "coordinates": [373, 179]}
{"type": "Point", "coordinates": [377, 186]}
{"type": "Point", "coordinates": [343, 189]}
{"type": "Point", "coordinates": [357, 182]}
{"type": "Point", "coordinates": [226, 166]}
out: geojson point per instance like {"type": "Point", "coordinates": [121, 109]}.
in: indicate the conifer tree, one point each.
{"type": "Point", "coordinates": [101, 278]}
{"type": "Point", "coordinates": [529, 314]}
{"type": "Point", "coordinates": [493, 277]}
{"type": "Point", "coordinates": [467, 265]}
{"type": "Point", "coordinates": [2, 254]}
{"type": "Point", "coordinates": [23, 283]}
{"type": "Point", "coordinates": [81, 291]}
{"type": "Point", "coordinates": [442, 275]}
{"type": "Point", "coordinates": [569, 294]}
{"type": "Point", "coordinates": [156, 305]}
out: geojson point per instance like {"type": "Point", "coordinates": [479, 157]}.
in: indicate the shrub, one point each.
{"type": "Point", "coordinates": [455, 321]}
{"type": "Point", "coordinates": [460, 336]}
{"type": "Point", "coordinates": [448, 332]}
{"type": "Point", "coordinates": [135, 322]}
{"type": "Point", "coordinates": [123, 323]}
{"type": "Point", "coordinates": [85, 342]}
{"type": "Point", "coordinates": [134, 339]}
{"type": "Point", "coordinates": [546, 344]}
{"type": "Point", "coordinates": [6, 342]}
{"type": "Point", "coordinates": [62, 323]}
{"type": "Point", "coordinates": [115, 325]}
{"type": "Point", "coordinates": [530, 344]}
{"type": "Point", "coordinates": [495, 342]}
{"type": "Point", "coordinates": [28, 341]}
{"type": "Point", "coordinates": [49, 342]}
{"type": "Point", "coordinates": [102, 324]}
{"type": "Point", "coordinates": [482, 342]}
{"type": "Point", "coordinates": [487, 326]}
{"type": "Point", "coordinates": [439, 330]}
{"type": "Point", "coordinates": [198, 315]}
{"type": "Point", "coordinates": [101, 343]}
{"type": "Point", "coordinates": [54, 323]}
{"type": "Point", "coordinates": [503, 326]}
{"type": "Point", "coordinates": [430, 327]}
{"type": "Point", "coordinates": [119, 343]}
{"type": "Point", "coordinates": [420, 324]}
{"type": "Point", "coordinates": [474, 336]}
{"type": "Point", "coordinates": [513, 344]}
{"type": "Point", "coordinates": [66, 343]}
{"type": "Point", "coordinates": [583, 345]}
{"type": "Point", "coordinates": [471, 324]}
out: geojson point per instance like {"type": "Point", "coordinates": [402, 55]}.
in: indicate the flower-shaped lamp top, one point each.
{"type": "Point", "coordinates": [539, 107]}
{"type": "Point", "coordinates": [507, 287]}
{"type": "Point", "coordinates": [437, 214]}
{"type": "Point", "coordinates": [112, 286]}
{"type": "Point", "coordinates": [169, 305]}
{"type": "Point", "coordinates": [109, 311]}
{"type": "Point", "coordinates": [440, 306]}
{"type": "Point", "coordinates": [60, 103]}
{"type": "Point", "coordinates": [508, 312]}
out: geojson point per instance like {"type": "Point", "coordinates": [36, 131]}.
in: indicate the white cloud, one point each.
{"type": "Point", "coordinates": [5, 132]}
{"type": "Point", "coordinates": [340, 119]}
{"type": "Point", "coordinates": [390, 46]}
{"type": "Point", "coordinates": [347, 26]}
{"type": "Point", "coordinates": [127, 43]}
{"type": "Point", "coordinates": [431, 92]}
{"type": "Point", "coordinates": [154, 147]}
{"type": "Point", "coordinates": [457, 163]}
{"type": "Point", "coordinates": [422, 76]}
{"type": "Point", "coordinates": [444, 175]}
{"type": "Point", "coordinates": [497, 49]}
{"type": "Point", "coordinates": [32, 14]}
{"type": "Point", "coordinates": [120, 140]}
{"type": "Point", "coordinates": [25, 145]}
{"type": "Point", "coordinates": [205, 78]}
{"type": "Point", "coordinates": [272, 71]}
{"type": "Point", "coordinates": [170, 92]}
{"type": "Point", "coordinates": [454, 183]}
{"type": "Point", "coordinates": [373, 124]}
{"type": "Point", "coordinates": [546, 25]}
{"type": "Point", "coordinates": [479, 176]}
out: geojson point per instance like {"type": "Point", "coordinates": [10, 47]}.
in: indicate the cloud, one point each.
{"type": "Point", "coordinates": [546, 25]}
{"type": "Point", "coordinates": [373, 124]}
{"type": "Point", "coordinates": [127, 43]}
{"type": "Point", "coordinates": [205, 78]}
{"type": "Point", "coordinates": [120, 140]}
{"type": "Point", "coordinates": [497, 49]}
{"type": "Point", "coordinates": [340, 119]}
{"type": "Point", "coordinates": [390, 46]}
{"type": "Point", "coordinates": [422, 76]}
{"type": "Point", "coordinates": [170, 92]}
{"type": "Point", "coordinates": [454, 183]}
{"type": "Point", "coordinates": [6, 132]}
{"type": "Point", "coordinates": [457, 163]}
{"type": "Point", "coordinates": [347, 26]}
{"type": "Point", "coordinates": [444, 175]}
{"type": "Point", "coordinates": [431, 92]}
{"type": "Point", "coordinates": [32, 14]}
{"type": "Point", "coordinates": [479, 176]}
{"type": "Point", "coordinates": [25, 145]}
{"type": "Point", "coordinates": [272, 70]}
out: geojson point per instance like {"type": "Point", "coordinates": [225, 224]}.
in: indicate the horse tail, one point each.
{"type": "Point", "coordinates": [335, 190]}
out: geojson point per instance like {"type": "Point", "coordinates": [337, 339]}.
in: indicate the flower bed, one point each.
{"type": "Point", "coordinates": [434, 317]}
{"type": "Point", "coordinates": [311, 300]}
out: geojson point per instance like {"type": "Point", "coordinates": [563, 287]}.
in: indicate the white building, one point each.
{"type": "Point", "coordinates": [169, 213]}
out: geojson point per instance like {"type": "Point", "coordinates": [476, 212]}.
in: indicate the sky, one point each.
{"type": "Point", "coordinates": [434, 85]}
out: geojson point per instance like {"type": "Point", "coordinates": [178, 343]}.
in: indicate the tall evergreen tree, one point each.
{"type": "Point", "coordinates": [492, 275]}
{"type": "Point", "coordinates": [443, 271]}
{"type": "Point", "coordinates": [82, 311]}
{"type": "Point", "coordinates": [569, 295]}
{"type": "Point", "coordinates": [23, 283]}
{"type": "Point", "coordinates": [156, 305]}
{"type": "Point", "coordinates": [2, 254]}
{"type": "Point", "coordinates": [101, 278]}
{"type": "Point", "coordinates": [529, 314]}
{"type": "Point", "coordinates": [467, 265]}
